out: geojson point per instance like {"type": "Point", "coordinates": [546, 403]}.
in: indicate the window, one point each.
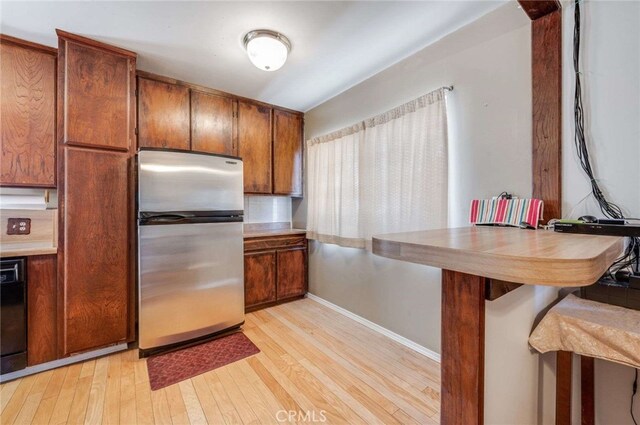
{"type": "Point", "coordinates": [386, 174]}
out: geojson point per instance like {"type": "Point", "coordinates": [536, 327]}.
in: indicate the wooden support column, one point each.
{"type": "Point", "coordinates": [546, 79]}
{"type": "Point", "coordinates": [587, 384]}
{"type": "Point", "coordinates": [563, 387]}
{"type": "Point", "coordinates": [462, 364]}
{"type": "Point", "coordinates": [495, 288]}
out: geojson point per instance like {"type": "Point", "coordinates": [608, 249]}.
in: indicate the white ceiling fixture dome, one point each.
{"type": "Point", "coordinates": [267, 50]}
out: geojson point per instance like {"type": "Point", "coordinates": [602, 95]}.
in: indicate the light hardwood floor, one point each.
{"type": "Point", "coordinates": [313, 362]}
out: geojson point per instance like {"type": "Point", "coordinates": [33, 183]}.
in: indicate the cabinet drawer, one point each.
{"type": "Point", "coordinates": [274, 242]}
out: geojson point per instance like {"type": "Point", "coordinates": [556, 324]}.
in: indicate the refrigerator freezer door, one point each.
{"type": "Point", "coordinates": [191, 281]}
{"type": "Point", "coordinates": [182, 181]}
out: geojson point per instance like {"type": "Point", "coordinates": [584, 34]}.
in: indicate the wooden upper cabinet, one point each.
{"type": "Point", "coordinates": [28, 80]}
{"type": "Point", "coordinates": [254, 146]}
{"type": "Point", "coordinates": [287, 153]}
{"type": "Point", "coordinates": [179, 115]}
{"type": "Point", "coordinates": [97, 92]}
{"type": "Point", "coordinates": [212, 123]}
{"type": "Point", "coordinates": [163, 115]}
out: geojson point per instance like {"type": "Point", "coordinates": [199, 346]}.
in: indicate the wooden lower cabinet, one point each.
{"type": "Point", "coordinates": [276, 274]}
{"type": "Point", "coordinates": [98, 259]}
{"type": "Point", "coordinates": [259, 278]}
{"type": "Point", "coordinates": [292, 273]}
{"type": "Point", "coordinates": [42, 335]}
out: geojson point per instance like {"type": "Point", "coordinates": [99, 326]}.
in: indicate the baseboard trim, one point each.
{"type": "Point", "coordinates": [377, 328]}
{"type": "Point", "coordinates": [62, 362]}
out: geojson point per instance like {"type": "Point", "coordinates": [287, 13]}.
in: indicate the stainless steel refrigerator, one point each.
{"type": "Point", "coordinates": [190, 246]}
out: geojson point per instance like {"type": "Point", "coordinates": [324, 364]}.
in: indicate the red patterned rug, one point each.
{"type": "Point", "coordinates": [170, 368]}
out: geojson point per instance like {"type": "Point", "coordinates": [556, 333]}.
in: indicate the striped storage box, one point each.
{"type": "Point", "coordinates": [510, 212]}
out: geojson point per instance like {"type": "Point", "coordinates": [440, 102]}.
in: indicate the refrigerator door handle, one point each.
{"type": "Point", "coordinates": [187, 219]}
{"type": "Point", "coordinates": [169, 216]}
{"type": "Point", "coordinates": [166, 218]}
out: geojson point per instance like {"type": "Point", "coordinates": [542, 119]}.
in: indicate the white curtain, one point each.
{"type": "Point", "coordinates": [386, 174]}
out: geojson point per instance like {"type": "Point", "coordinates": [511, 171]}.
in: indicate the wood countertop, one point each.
{"type": "Point", "coordinates": [533, 257]}
{"type": "Point", "coordinates": [12, 251]}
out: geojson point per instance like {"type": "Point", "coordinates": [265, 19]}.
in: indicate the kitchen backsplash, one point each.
{"type": "Point", "coordinates": [257, 208]}
{"type": "Point", "coordinates": [267, 209]}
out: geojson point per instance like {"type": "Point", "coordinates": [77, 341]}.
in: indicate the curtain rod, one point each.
{"type": "Point", "coordinates": [448, 88]}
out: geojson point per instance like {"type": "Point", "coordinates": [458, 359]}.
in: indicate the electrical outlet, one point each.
{"type": "Point", "coordinates": [18, 226]}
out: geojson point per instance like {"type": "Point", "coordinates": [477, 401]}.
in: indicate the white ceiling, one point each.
{"type": "Point", "coordinates": [335, 44]}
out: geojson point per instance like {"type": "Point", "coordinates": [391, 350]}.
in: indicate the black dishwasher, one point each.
{"type": "Point", "coordinates": [13, 315]}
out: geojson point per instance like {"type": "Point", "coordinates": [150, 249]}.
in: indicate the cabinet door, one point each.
{"type": "Point", "coordinates": [212, 124]}
{"type": "Point", "coordinates": [287, 153]}
{"type": "Point", "coordinates": [254, 146]}
{"type": "Point", "coordinates": [259, 278]}
{"type": "Point", "coordinates": [97, 251]}
{"type": "Point", "coordinates": [292, 273]}
{"type": "Point", "coordinates": [28, 81]}
{"type": "Point", "coordinates": [163, 115]}
{"type": "Point", "coordinates": [96, 109]}
{"type": "Point", "coordinates": [42, 294]}
{"type": "Point", "coordinates": [97, 93]}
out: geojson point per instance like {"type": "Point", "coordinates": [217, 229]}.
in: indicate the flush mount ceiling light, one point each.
{"type": "Point", "coordinates": [267, 49]}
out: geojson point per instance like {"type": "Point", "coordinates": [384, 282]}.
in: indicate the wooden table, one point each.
{"type": "Point", "coordinates": [469, 257]}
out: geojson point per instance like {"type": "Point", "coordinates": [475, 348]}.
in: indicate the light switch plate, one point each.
{"type": "Point", "coordinates": [18, 226]}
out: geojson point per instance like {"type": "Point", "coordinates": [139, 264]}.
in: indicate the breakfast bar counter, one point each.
{"type": "Point", "coordinates": [471, 256]}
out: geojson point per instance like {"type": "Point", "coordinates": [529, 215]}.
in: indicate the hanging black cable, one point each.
{"type": "Point", "coordinates": [631, 256]}
{"type": "Point", "coordinates": [633, 393]}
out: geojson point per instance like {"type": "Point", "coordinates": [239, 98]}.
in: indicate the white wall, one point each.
{"type": "Point", "coordinates": [488, 62]}
{"type": "Point", "coordinates": [611, 76]}
{"type": "Point", "coordinates": [611, 73]}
